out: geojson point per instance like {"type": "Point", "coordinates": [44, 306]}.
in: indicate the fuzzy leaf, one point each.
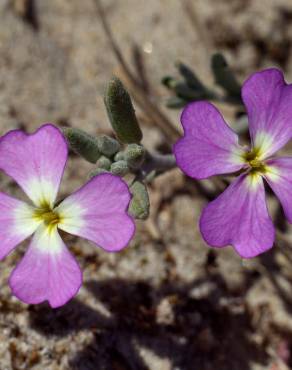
{"type": "Point", "coordinates": [224, 77]}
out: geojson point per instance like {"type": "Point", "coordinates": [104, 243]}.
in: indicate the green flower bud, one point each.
{"type": "Point", "coordinates": [120, 156]}
{"type": "Point", "coordinates": [121, 113]}
{"type": "Point", "coordinates": [120, 168]}
{"type": "Point", "coordinates": [139, 205]}
{"type": "Point", "coordinates": [104, 163]}
{"type": "Point", "coordinates": [135, 155]}
{"type": "Point", "coordinates": [107, 145]}
{"type": "Point", "coordinates": [82, 143]}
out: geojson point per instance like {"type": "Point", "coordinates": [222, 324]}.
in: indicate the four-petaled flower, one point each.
{"type": "Point", "coordinates": [97, 212]}
{"type": "Point", "coordinates": [239, 216]}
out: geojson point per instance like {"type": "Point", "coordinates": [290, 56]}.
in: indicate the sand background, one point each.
{"type": "Point", "coordinates": [167, 302]}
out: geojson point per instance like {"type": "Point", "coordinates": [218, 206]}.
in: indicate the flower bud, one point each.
{"type": "Point", "coordinates": [139, 205]}
{"type": "Point", "coordinates": [120, 156]}
{"type": "Point", "coordinates": [135, 155]}
{"type": "Point", "coordinates": [121, 113]}
{"type": "Point", "coordinates": [107, 145]}
{"type": "Point", "coordinates": [104, 163]}
{"type": "Point", "coordinates": [82, 143]}
{"type": "Point", "coordinates": [120, 168]}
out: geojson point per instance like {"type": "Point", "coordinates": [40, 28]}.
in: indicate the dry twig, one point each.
{"type": "Point", "coordinates": [134, 87]}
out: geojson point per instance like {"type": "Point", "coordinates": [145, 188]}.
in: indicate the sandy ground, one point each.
{"type": "Point", "coordinates": [167, 302]}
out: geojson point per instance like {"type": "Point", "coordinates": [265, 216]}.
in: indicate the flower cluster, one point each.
{"type": "Point", "coordinates": [97, 211]}
{"type": "Point", "coordinates": [239, 216]}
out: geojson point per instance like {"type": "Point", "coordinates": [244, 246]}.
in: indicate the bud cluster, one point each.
{"type": "Point", "coordinates": [121, 156]}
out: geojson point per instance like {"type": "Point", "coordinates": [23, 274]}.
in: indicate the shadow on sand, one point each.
{"type": "Point", "coordinates": [204, 333]}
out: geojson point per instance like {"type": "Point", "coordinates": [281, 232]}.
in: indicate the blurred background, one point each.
{"type": "Point", "coordinates": [167, 302]}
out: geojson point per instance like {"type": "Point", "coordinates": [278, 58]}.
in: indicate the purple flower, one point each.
{"type": "Point", "coordinates": [97, 212]}
{"type": "Point", "coordinates": [239, 216]}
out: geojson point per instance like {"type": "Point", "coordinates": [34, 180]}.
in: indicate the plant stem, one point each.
{"type": "Point", "coordinates": [158, 162]}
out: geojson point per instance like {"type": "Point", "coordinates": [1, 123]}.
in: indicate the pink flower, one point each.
{"type": "Point", "coordinates": [97, 212]}
{"type": "Point", "coordinates": [239, 216]}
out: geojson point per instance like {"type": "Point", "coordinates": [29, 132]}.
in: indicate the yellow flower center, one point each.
{"type": "Point", "coordinates": [49, 216]}
{"type": "Point", "coordinates": [252, 158]}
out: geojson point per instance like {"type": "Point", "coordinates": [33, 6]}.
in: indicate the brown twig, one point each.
{"type": "Point", "coordinates": [282, 239]}
{"type": "Point", "coordinates": [134, 87]}
{"type": "Point", "coordinates": [139, 65]}
{"type": "Point", "coordinates": [143, 100]}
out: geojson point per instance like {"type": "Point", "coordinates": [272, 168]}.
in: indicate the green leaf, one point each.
{"type": "Point", "coordinates": [184, 91]}
{"type": "Point", "coordinates": [224, 77]}
{"type": "Point", "coordinates": [190, 77]}
{"type": "Point", "coordinates": [169, 82]}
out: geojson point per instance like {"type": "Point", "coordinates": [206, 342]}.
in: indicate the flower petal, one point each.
{"type": "Point", "coordinates": [36, 162]}
{"type": "Point", "coordinates": [16, 223]}
{"type": "Point", "coordinates": [239, 217]}
{"type": "Point", "coordinates": [97, 212]}
{"type": "Point", "coordinates": [47, 271]}
{"type": "Point", "coordinates": [267, 99]}
{"type": "Point", "coordinates": [209, 145]}
{"type": "Point", "coordinates": [279, 177]}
